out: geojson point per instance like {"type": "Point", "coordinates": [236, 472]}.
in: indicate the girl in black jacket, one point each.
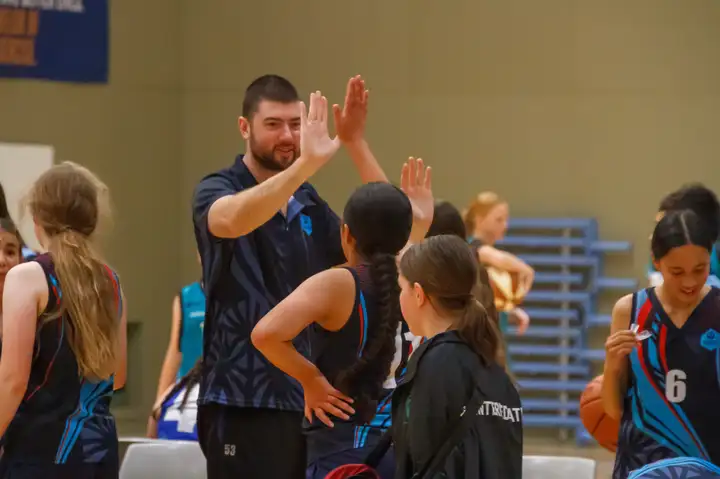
{"type": "Point", "coordinates": [437, 278]}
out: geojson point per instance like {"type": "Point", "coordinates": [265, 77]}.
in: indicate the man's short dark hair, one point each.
{"type": "Point", "coordinates": [268, 87]}
{"type": "Point", "coordinates": [447, 220]}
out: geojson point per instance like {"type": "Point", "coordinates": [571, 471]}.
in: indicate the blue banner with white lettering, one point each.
{"type": "Point", "coordinates": [59, 40]}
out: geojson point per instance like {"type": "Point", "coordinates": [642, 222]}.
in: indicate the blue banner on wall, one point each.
{"type": "Point", "coordinates": [60, 40]}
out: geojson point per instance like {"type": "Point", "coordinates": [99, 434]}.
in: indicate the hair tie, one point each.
{"type": "Point", "coordinates": [464, 299]}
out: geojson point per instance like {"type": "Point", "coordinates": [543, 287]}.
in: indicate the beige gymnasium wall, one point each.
{"type": "Point", "coordinates": [565, 107]}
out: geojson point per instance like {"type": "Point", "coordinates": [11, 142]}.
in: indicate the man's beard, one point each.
{"type": "Point", "coordinates": [267, 159]}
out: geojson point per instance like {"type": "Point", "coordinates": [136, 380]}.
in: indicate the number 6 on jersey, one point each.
{"type": "Point", "coordinates": [675, 390]}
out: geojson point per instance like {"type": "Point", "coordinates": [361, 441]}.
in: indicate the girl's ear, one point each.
{"type": "Point", "coordinates": [419, 294]}
{"type": "Point", "coordinates": [656, 264]}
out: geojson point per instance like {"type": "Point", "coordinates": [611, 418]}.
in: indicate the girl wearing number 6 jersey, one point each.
{"type": "Point", "coordinates": [662, 368]}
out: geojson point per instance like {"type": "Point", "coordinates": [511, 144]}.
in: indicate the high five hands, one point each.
{"type": "Point", "coordinates": [316, 145]}
{"type": "Point", "coordinates": [416, 183]}
{"type": "Point", "coordinates": [350, 119]}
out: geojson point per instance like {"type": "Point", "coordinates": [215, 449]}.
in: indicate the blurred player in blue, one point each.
{"type": "Point", "coordinates": [186, 336]}
{"type": "Point", "coordinates": [174, 416]}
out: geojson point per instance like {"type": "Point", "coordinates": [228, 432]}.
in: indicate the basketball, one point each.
{"type": "Point", "coordinates": [506, 289]}
{"type": "Point", "coordinates": [602, 427]}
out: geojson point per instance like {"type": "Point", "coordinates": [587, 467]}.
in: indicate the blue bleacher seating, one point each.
{"type": "Point", "coordinates": [552, 361]}
{"type": "Point", "coordinates": [549, 405]}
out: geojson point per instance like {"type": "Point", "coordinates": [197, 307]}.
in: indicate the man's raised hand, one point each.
{"type": "Point", "coordinates": [316, 146]}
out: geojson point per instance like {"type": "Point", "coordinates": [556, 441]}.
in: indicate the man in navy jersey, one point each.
{"type": "Point", "coordinates": [261, 230]}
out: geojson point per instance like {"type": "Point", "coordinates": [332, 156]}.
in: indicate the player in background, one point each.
{"type": "Point", "coordinates": [186, 336]}
{"type": "Point", "coordinates": [174, 416]}
{"type": "Point", "coordinates": [26, 251]}
{"type": "Point", "coordinates": [486, 222]}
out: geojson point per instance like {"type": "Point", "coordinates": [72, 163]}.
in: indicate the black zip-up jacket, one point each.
{"type": "Point", "coordinates": [440, 379]}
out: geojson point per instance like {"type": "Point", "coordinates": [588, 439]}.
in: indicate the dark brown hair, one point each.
{"type": "Point", "coordinates": [5, 216]}
{"type": "Point", "coordinates": [447, 220]}
{"type": "Point", "coordinates": [7, 224]}
{"type": "Point", "coordinates": [268, 87]}
{"type": "Point", "coordinates": [67, 202]}
{"type": "Point", "coordinates": [189, 381]}
{"type": "Point", "coordinates": [379, 217]}
{"type": "Point", "coordinates": [447, 270]}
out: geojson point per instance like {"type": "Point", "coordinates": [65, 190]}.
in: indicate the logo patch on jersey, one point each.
{"type": "Point", "coordinates": [306, 224]}
{"type": "Point", "coordinates": [710, 340]}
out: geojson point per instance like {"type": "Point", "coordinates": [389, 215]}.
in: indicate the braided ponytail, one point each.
{"type": "Point", "coordinates": [364, 380]}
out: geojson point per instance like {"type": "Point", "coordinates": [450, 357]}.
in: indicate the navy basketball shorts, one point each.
{"type": "Point", "coordinates": [251, 443]}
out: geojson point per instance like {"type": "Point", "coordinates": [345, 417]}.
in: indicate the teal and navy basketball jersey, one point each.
{"type": "Point", "coordinates": [678, 468]}
{"type": "Point", "coordinates": [673, 386]}
{"type": "Point", "coordinates": [63, 418]}
{"type": "Point", "coordinates": [178, 421]}
{"type": "Point", "coordinates": [192, 321]}
{"type": "Point", "coordinates": [334, 351]}
{"type": "Point", "coordinates": [655, 279]}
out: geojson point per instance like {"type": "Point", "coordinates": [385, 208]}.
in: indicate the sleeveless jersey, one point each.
{"type": "Point", "coordinates": [178, 422]}
{"type": "Point", "coordinates": [673, 386]}
{"type": "Point", "coordinates": [334, 351]}
{"type": "Point", "coordinates": [192, 321]}
{"type": "Point", "coordinates": [63, 418]}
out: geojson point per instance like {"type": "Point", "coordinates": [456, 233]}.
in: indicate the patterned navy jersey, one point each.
{"type": "Point", "coordinates": [674, 386]}
{"type": "Point", "coordinates": [678, 468]}
{"type": "Point", "coordinates": [335, 351]}
{"type": "Point", "coordinates": [245, 277]}
{"type": "Point", "coordinates": [63, 418]}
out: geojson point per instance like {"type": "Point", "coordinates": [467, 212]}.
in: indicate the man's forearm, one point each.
{"type": "Point", "coordinates": [249, 209]}
{"type": "Point", "coordinates": [365, 162]}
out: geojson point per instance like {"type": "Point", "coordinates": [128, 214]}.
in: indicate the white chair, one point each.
{"type": "Point", "coordinates": [558, 467]}
{"type": "Point", "coordinates": [138, 440]}
{"type": "Point", "coordinates": [163, 460]}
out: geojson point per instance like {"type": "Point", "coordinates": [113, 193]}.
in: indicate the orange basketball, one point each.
{"type": "Point", "coordinates": [506, 289]}
{"type": "Point", "coordinates": [602, 427]}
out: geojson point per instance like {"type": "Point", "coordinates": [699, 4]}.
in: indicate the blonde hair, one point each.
{"type": "Point", "coordinates": [67, 202]}
{"type": "Point", "coordinates": [480, 206]}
